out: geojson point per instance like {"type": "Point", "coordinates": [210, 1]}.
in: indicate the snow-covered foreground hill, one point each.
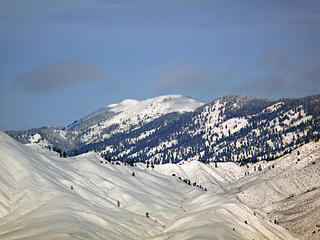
{"type": "Point", "coordinates": [43, 196]}
{"type": "Point", "coordinates": [286, 190]}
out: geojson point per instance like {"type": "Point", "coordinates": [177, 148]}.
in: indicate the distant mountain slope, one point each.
{"type": "Point", "coordinates": [44, 196]}
{"type": "Point", "coordinates": [132, 113]}
{"type": "Point", "coordinates": [175, 128]}
{"type": "Point", "coordinates": [286, 190]}
{"type": "Point", "coordinates": [101, 124]}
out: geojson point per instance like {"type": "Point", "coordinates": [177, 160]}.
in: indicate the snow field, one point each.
{"type": "Point", "coordinates": [44, 196]}
{"type": "Point", "coordinates": [286, 190]}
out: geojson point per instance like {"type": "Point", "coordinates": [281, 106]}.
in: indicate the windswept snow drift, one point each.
{"type": "Point", "coordinates": [37, 202]}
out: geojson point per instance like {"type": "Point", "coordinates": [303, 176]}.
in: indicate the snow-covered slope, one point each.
{"type": "Point", "coordinates": [215, 177]}
{"type": "Point", "coordinates": [130, 114]}
{"type": "Point", "coordinates": [43, 196]}
{"type": "Point", "coordinates": [153, 106]}
{"type": "Point", "coordinates": [286, 190]}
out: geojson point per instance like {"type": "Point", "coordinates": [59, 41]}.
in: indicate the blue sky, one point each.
{"type": "Point", "coordinates": [60, 60]}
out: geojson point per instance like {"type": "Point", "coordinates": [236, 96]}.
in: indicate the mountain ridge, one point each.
{"type": "Point", "coordinates": [153, 107]}
{"type": "Point", "coordinates": [231, 128]}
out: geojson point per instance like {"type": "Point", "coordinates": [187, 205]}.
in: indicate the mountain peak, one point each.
{"type": "Point", "coordinates": [130, 112]}
{"type": "Point", "coordinates": [124, 102]}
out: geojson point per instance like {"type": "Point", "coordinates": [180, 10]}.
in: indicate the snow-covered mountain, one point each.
{"type": "Point", "coordinates": [262, 172]}
{"type": "Point", "coordinates": [175, 128]}
{"type": "Point", "coordinates": [130, 114]}
{"type": "Point", "coordinates": [113, 119]}
{"type": "Point", "coordinates": [285, 190]}
{"type": "Point", "coordinates": [135, 111]}
{"type": "Point", "coordinates": [44, 196]}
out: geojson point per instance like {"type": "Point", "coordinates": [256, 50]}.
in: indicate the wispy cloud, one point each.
{"type": "Point", "coordinates": [279, 76]}
{"type": "Point", "coordinates": [178, 73]}
{"type": "Point", "coordinates": [188, 79]}
{"type": "Point", "coordinates": [50, 76]}
{"type": "Point", "coordinates": [273, 61]}
{"type": "Point", "coordinates": [273, 74]}
{"type": "Point", "coordinates": [264, 86]}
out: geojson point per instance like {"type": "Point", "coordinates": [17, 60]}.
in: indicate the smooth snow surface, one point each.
{"type": "Point", "coordinates": [37, 201]}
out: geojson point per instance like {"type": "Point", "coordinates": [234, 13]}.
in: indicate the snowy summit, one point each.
{"type": "Point", "coordinates": [134, 110]}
